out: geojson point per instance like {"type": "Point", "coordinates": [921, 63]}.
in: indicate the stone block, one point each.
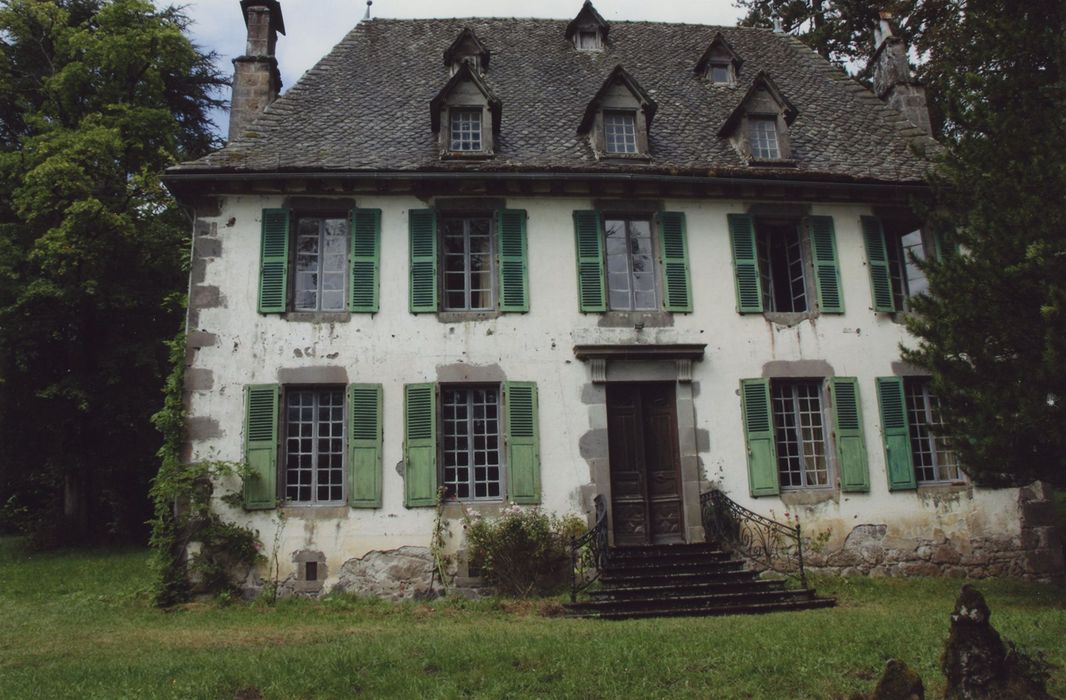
{"type": "Point", "coordinates": [946, 554]}
{"type": "Point", "coordinates": [407, 573]}
{"type": "Point", "coordinates": [205, 297]}
{"type": "Point", "coordinates": [198, 379]}
{"type": "Point", "coordinates": [919, 568]}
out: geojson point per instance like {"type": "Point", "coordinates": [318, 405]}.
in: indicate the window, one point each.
{"type": "Point", "coordinates": [471, 448]}
{"type": "Point", "coordinates": [630, 265]}
{"type": "Point", "coordinates": [782, 266]}
{"type": "Point", "coordinates": [321, 264]}
{"type": "Point", "coordinates": [588, 40]}
{"type": "Point", "coordinates": [763, 133]}
{"type": "Point", "coordinates": [721, 73]}
{"type": "Point", "coordinates": [799, 434]}
{"type": "Point", "coordinates": [620, 132]}
{"type": "Point", "coordinates": [934, 460]}
{"type": "Point", "coordinates": [461, 437]}
{"type": "Point", "coordinates": [314, 446]}
{"type": "Point", "coordinates": [469, 261]}
{"type": "Point", "coordinates": [903, 247]}
{"type": "Point", "coordinates": [466, 130]}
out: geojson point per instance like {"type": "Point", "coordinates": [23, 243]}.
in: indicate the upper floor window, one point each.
{"type": "Point", "coordinates": [721, 73]}
{"type": "Point", "coordinates": [623, 266]}
{"type": "Point", "coordinates": [620, 132]}
{"type": "Point", "coordinates": [466, 130]}
{"type": "Point", "coordinates": [785, 265]}
{"type": "Point", "coordinates": [719, 62]}
{"type": "Point", "coordinates": [906, 250]}
{"type": "Point", "coordinates": [469, 263]}
{"type": "Point", "coordinates": [329, 264]}
{"type": "Point", "coordinates": [588, 40]}
{"type": "Point", "coordinates": [321, 264]}
{"type": "Point", "coordinates": [934, 460]}
{"type": "Point", "coordinates": [763, 138]}
{"type": "Point", "coordinates": [630, 265]}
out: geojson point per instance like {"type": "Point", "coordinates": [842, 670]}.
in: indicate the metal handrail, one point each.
{"type": "Point", "coordinates": [765, 542]}
{"type": "Point", "coordinates": [589, 552]}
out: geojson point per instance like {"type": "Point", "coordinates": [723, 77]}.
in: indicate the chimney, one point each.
{"type": "Point", "coordinates": [256, 79]}
{"type": "Point", "coordinates": [892, 76]}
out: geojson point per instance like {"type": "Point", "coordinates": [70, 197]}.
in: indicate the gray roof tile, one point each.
{"type": "Point", "coordinates": [365, 106]}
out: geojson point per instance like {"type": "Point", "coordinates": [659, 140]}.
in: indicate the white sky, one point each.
{"type": "Point", "coordinates": [313, 27]}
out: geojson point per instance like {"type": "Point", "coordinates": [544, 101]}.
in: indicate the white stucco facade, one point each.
{"type": "Point", "coordinates": [236, 346]}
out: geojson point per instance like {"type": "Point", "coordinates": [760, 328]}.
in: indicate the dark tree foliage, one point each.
{"type": "Point", "coordinates": [993, 329]}
{"type": "Point", "coordinates": [97, 97]}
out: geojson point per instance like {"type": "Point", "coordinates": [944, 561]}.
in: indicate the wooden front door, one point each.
{"type": "Point", "coordinates": [645, 464]}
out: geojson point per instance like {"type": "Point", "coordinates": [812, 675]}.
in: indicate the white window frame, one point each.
{"type": "Point", "coordinates": [467, 270]}
{"type": "Point", "coordinates": [629, 132]}
{"type": "Point", "coordinates": [790, 389]}
{"type": "Point", "coordinates": [627, 222]}
{"type": "Point", "coordinates": [320, 271]}
{"type": "Point", "coordinates": [470, 433]}
{"type": "Point", "coordinates": [457, 118]}
{"type": "Point", "coordinates": [797, 258]}
{"type": "Point", "coordinates": [923, 414]}
{"type": "Point", "coordinates": [769, 151]}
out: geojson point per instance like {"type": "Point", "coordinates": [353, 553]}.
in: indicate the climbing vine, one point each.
{"type": "Point", "coordinates": [181, 498]}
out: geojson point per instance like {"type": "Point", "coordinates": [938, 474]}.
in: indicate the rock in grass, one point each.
{"type": "Point", "coordinates": [899, 682]}
{"type": "Point", "coordinates": [979, 665]}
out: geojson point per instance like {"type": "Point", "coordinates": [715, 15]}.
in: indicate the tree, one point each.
{"type": "Point", "coordinates": [992, 330]}
{"type": "Point", "coordinates": [97, 97]}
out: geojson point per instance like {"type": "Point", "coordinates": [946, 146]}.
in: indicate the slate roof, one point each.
{"type": "Point", "coordinates": [365, 106]}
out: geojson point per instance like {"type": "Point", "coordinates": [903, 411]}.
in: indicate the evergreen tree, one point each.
{"type": "Point", "coordinates": [993, 328]}
{"type": "Point", "coordinates": [97, 97]}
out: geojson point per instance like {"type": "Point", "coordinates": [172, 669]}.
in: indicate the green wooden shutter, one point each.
{"type": "Point", "coordinates": [364, 446]}
{"type": "Point", "coordinates": [261, 446]}
{"type": "Point", "coordinates": [759, 433]}
{"type": "Point", "coordinates": [366, 254]}
{"type": "Point", "coordinates": [592, 294]}
{"type": "Point", "coordinates": [677, 287]}
{"type": "Point", "coordinates": [420, 445]}
{"type": "Point", "coordinates": [523, 449]}
{"type": "Point", "coordinates": [873, 235]}
{"type": "Point", "coordinates": [826, 268]}
{"type": "Point", "coordinates": [745, 264]}
{"type": "Point", "coordinates": [422, 224]}
{"type": "Point", "coordinates": [514, 265]}
{"type": "Point", "coordinates": [274, 261]}
{"type": "Point", "coordinates": [896, 433]}
{"type": "Point", "coordinates": [850, 442]}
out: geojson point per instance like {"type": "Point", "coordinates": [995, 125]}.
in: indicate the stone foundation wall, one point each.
{"type": "Point", "coordinates": [873, 549]}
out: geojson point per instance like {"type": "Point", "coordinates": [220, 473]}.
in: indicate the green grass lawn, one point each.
{"type": "Point", "coordinates": [79, 625]}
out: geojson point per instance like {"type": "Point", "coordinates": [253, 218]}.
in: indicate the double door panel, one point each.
{"type": "Point", "coordinates": [645, 464]}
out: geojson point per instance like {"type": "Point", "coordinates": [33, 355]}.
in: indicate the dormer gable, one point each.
{"type": "Point", "coordinates": [720, 64]}
{"type": "Point", "coordinates": [467, 48]}
{"type": "Point", "coordinates": [466, 115]}
{"type": "Point", "coordinates": [588, 30]}
{"type": "Point", "coordinates": [758, 127]}
{"type": "Point", "coordinates": [618, 118]}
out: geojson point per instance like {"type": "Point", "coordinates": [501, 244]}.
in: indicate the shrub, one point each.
{"type": "Point", "coordinates": [523, 552]}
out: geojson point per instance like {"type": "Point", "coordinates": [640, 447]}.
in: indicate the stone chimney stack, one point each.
{"type": "Point", "coordinates": [256, 79]}
{"type": "Point", "coordinates": [893, 82]}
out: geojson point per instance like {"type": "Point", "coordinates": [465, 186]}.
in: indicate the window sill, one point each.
{"type": "Point", "coordinates": [636, 319]}
{"type": "Point", "coordinates": [331, 511]}
{"type": "Point", "coordinates": [458, 509]}
{"type": "Point", "coordinates": [780, 163]}
{"type": "Point", "coordinates": [943, 487]}
{"type": "Point", "coordinates": [808, 496]}
{"type": "Point", "coordinates": [318, 316]}
{"type": "Point", "coordinates": [788, 318]}
{"type": "Point", "coordinates": [466, 316]}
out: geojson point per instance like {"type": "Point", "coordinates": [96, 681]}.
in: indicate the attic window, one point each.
{"type": "Point", "coordinates": [763, 135]}
{"type": "Point", "coordinates": [466, 130]}
{"type": "Point", "coordinates": [588, 40]}
{"type": "Point", "coordinates": [721, 73]}
{"type": "Point", "coordinates": [620, 132]}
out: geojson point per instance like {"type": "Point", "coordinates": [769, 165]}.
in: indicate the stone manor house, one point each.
{"type": "Point", "coordinates": [539, 261]}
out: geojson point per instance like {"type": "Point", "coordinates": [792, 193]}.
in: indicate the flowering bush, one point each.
{"type": "Point", "coordinates": [523, 551]}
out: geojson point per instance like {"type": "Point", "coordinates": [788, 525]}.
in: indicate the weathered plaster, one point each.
{"type": "Point", "coordinates": [312, 375]}
{"type": "Point", "coordinates": [782, 369]}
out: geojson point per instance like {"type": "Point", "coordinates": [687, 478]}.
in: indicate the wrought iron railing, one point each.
{"type": "Point", "coordinates": [765, 542]}
{"type": "Point", "coordinates": [588, 553]}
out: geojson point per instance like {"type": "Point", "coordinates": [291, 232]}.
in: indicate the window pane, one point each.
{"type": "Point", "coordinates": [799, 434]}
{"type": "Point", "coordinates": [934, 460]}
{"type": "Point", "coordinates": [911, 243]}
{"type": "Point", "coordinates": [620, 132]}
{"type": "Point", "coordinates": [720, 72]}
{"type": "Point", "coordinates": [465, 130]}
{"type": "Point", "coordinates": [783, 267]}
{"type": "Point", "coordinates": [630, 265]}
{"type": "Point", "coordinates": [764, 138]}
{"type": "Point", "coordinates": [469, 263]}
{"type": "Point", "coordinates": [314, 446]}
{"type": "Point", "coordinates": [471, 439]}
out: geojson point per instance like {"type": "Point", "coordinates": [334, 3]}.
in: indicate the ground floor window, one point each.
{"type": "Point", "coordinates": [314, 446]}
{"type": "Point", "coordinates": [934, 460]}
{"type": "Point", "coordinates": [471, 447]}
{"type": "Point", "coordinates": [799, 434]}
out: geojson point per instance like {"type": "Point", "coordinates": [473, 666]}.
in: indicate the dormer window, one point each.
{"type": "Point", "coordinates": [719, 64]}
{"type": "Point", "coordinates": [618, 118]}
{"type": "Point", "coordinates": [466, 130]}
{"type": "Point", "coordinates": [588, 30]}
{"type": "Point", "coordinates": [763, 138]}
{"type": "Point", "coordinates": [468, 49]}
{"type": "Point", "coordinates": [758, 127]}
{"type": "Point", "coordinates": [620, 132]}
{"type": "Point", "coordinates": [465, 115]}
